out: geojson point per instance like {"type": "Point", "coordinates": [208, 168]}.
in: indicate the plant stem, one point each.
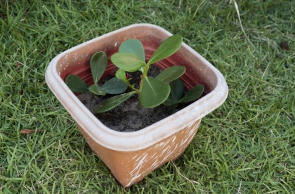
{"type": "Point", "coordinates": [132, 87]}
{"type": "Point", "coordinates": [146, 70]}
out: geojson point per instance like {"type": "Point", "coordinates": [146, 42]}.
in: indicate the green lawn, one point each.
{"type": "Point", "coordinates": [245, 146]}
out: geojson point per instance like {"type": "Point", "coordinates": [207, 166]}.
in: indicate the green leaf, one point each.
{"type": "Point", "coordinates": [170, 101]}
{"type": "Point", "coordinates": [98, 64]}
{"type": "Point", "coordinates": [114, 86]}
{"type": "Point", "coordinates": [97, 90]}
{"type": "Point", "coordinates": [133, 46]}
{"type": "Point", "coordinates": [127, 62]}
{"type": "Point", "coordinates": [112, 102]}
{"type": "Point", "coordinates": [76, 84]}
{"type": "Point", "coordinates": [177, 89]}
{"type": "Point", "coordinates": [167, 48]}
{"type": "Point", "coordinates": [171, 73]}
{"type": "Point", "coordinates": [154, 92]}
{"type": "Point", "coordinates": [193, 94]}
{"type": "Point", "coordinates": [121, 75]}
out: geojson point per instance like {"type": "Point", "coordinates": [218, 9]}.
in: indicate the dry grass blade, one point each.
{"type": "Point", "coordinates": [191, 181]}
{"type": "Point", "coordinates": [240, 21]}
{"type": "Point", "coordinates": [29, 131]}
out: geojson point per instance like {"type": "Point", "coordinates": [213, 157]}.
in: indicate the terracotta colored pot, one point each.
{"type": "Point", "coordinates": [132, 155]}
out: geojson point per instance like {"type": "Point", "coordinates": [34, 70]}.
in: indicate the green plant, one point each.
{"type": "Point", "coordinates": [166, 88]}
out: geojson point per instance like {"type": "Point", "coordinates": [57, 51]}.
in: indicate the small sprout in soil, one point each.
{"type": "Point", "coordinates": [166, 88]}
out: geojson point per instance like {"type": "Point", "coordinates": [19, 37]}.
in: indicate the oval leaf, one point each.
{"type": "Point", "coordinates": [97, 90]}
{"type": "Point", "coordinates": [193, 94]}
{"type": "Point", "coordinates": [167, 48]}
{"type": "Point", "coordinates": [114, 86]}
{"type": "Point", "coordinates": [170, 101]}
{"type": "Point", "coordinates": [127, 62]}
{"type": "Point", "coordinates": [171, 73]}
{"type": "Point", "coordinates": [133, 46]}
{"type": "Point", "coordinates": [112, 102]}
{"type": "Point", "coordinates": [154, 92]}
{"type": "Point", "coordinates": [121, 75]}
{"type": "Point", "coordinates": [177, 89]}
{"type": "Point", "coordinates": [76, 84]}
{"type": "Point", "coordinates": [98, 64]}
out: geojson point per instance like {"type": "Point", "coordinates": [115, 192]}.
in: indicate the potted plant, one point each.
{"type": "Point", "coordinates": [132, 155]}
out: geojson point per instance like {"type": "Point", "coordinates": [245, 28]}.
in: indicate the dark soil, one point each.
{"type": "Point", "coordinates": [127, 117]}
{"type": "Point", "coordinates": [284, 45]}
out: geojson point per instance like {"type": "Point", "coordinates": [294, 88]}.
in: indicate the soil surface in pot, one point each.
{"type": "Point", "coordinates": [127, 117]}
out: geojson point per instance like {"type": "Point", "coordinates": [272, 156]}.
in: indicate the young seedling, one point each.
{"type": "Point", "coordinates": [166, 88]}
{"type": "Point", "coordinates": [177, 93]}
{"type": "Point", "coordinates": [98, 64]}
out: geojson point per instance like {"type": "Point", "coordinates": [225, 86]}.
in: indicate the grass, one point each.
{"type": "Point", "coordinates": [245, 146]}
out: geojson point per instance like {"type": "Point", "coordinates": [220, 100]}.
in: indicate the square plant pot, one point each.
{"type": "Point", "coordinates": [132, 155]}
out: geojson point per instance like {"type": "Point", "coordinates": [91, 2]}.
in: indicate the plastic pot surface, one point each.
{"type": "Point", "coordinates": [132, 155]}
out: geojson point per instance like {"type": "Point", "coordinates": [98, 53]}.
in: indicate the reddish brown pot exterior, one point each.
{"type": "Point", "coordinates": [131, 167]}
{"type": "Point", "coordinates": [132, 155]}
